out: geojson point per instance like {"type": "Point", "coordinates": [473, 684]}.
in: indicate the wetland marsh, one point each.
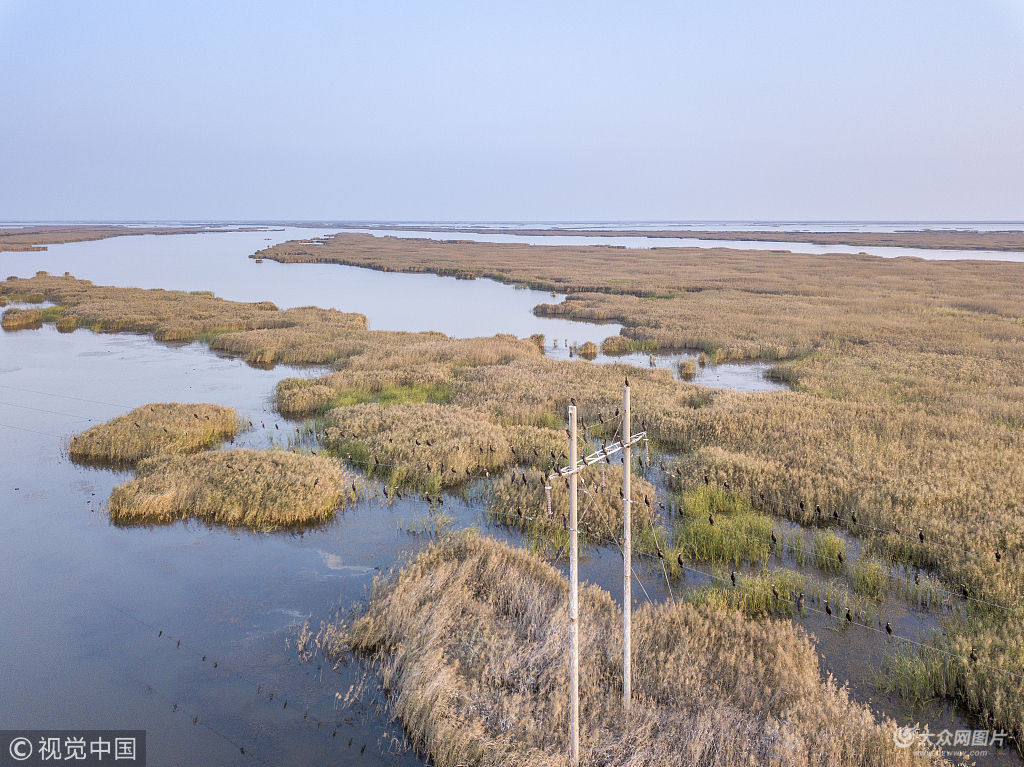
{"type": "Point", "coordinates": [505, 387]}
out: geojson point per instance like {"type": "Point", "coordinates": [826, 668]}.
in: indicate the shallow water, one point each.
{"type": "Point", "coordinates": [644, 242]}
{"type": "Point", "coordinates": [390, 300]}
{"type": "Point", "coordinates": [85, 599]}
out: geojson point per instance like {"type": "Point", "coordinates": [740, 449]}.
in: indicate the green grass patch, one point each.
{"type": "Point", "coordinates": [394, 395]}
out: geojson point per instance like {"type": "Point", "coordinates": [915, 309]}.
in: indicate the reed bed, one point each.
{"type": "Point", "coordinates": [922, 674]}
{"type": "Point", "coordinates": [471, 640]}
{"type": "Point", "coordinates": [160, 428]}
{"type": "Point", "coordinates": [426, 446]}
{"type": "Point", "coordinates": [260, 490]}
{"type": "Point", "coordinates": [522, 505]}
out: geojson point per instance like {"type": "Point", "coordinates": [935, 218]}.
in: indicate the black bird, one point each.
{"type": "Point", "coordinates": [835, 514]}
{"type": "Point", "coordinates": [774, 539]}
{"type": "Point", "coordinates": [733, 577]}
{"type": "Point", "coordinates": [620, 494]}
{"type": "Point", "coordinates": [535, 452]}
{"type": "Point", "coordinates": [398, 494]}
{"type": "Point", "coordinates": [627, 381]}
{"type": "Point", "coordinates": [277, 427]}
{"type": "Point", "coordinates": [660, 554]}
{"type": "Point", "coordinates": [661, 505]}
{"type": "Point", "coordinates": [647, 501]}
{"type": "Point", "coordinates": [165, 430]}
{"type": "Point", "coordinates": [616, 412]}
{"type": "Point", "coordinates": [775, 591]}
{"type": "Point", "coordinates": [974, 655]}
{"type": "Point", "coordinates": [706, 480]}
{"type": "Point", "coordinates": [828, 609]}
{"type": "Point", "coordinates": [726, 484]}
{"type": "Point", "coordinates": [553, 456]}
{"type": "Point", "coordinates": [354, 488]}
{"type": "Point", "coordinates": [853, 516]}
{"type": "Point", "coordinates": [572, 401]}
{"type": "Point", "coordinates": [429, 499]}
{"type": "Point", "coordinates": [136, 424]}
{"type": "Point", "coordinates": [428, 467]}
{"type": "Point", "coordinates": [842, 559]}
{"type": "Point", "coordinates": [999, 556]}
{"type": "Point", "coordinates": [801, 505]}
{"type": "Point", "coordinates": [917, 578]}
{"type": "Point", "coordinates": [888, 629]}
{"type": "Point", "coordinates": [417, 442]}
{"type": "Point", "coordinates": [964, 592]}
{"type": "Point", "coordinates": [849, 616]}
{"type": "Point", "coordinates": [762, 496]}
{"type": "Point", "coordinates": [428, 443]}
{"type": "Point", "coordinates": [316, 481]}
{"type": "Point", "coordinates": [920, 534]}
{"type": "Point", "coordinates": [800, 603]}
{"type": "Point", "coordinates": [196, 416]}
{"type": "Point", "coordinates": [817, 509]}
{"type": "Point", "coordinates": [679, 559]}
{"type": "Point", "coordinates": [711, 520]}
{"type": "Point", "coordinates": [492, 449]}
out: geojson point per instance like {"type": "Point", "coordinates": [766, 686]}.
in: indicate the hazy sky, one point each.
{"type": "Point", "coordinates": [512, 111]}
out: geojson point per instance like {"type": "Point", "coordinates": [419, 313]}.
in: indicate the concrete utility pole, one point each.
{"type": "Point", "coordinates": [574, 598]}
{"type": "Point", "coordinates": [572, 472]}
{"type": "Point", "coordinates": [627, 565]}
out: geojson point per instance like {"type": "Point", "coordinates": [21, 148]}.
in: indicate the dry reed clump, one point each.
{"type": "Point", "coordinates": [428, 447]}
{"type": "Point", "coordinates": [261, 490]}
{"type": "Point", "coordinates": [523, 505]}
{"type": "Point", "coordinates": [160, 428]}
{"type": "Point", "coordinates": [471, 639]}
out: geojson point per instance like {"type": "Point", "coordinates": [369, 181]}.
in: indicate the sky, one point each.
{"type": "Point", "coordinates": [512, 111]}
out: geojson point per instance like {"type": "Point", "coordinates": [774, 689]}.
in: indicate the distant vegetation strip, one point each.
{"type": "Point", "coordinates": [1010, 239]}
{"type": "Point", "coordinates": [29, 238]}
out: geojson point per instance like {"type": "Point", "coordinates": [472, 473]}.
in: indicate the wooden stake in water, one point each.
{"type": "Point", "coordinates": [574, 600]}
{"type": "Point", "coordinates": [627, 566]}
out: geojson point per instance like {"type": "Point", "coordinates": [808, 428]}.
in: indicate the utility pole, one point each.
{"type": "Point", "coordinates": [574, 598]}
{"type": "Point", "coordinates": [627, 566]}
{"type": "Point", "coordinates": [572, 471]}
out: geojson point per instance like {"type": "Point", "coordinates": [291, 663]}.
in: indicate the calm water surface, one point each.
{"type": "Point", "coordinates": [84, 600]}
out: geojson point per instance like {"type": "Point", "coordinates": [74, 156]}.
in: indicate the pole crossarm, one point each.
{"type": "Point", "coordinates": [606, 451]}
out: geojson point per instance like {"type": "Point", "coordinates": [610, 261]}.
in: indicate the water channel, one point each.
{"type": "Point", "coordinates": [84, 601]}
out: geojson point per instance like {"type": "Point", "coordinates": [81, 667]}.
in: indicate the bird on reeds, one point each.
{"type": "Point", "coordinates": [775, 591]}
{"type": "Point", "coordinates": [835, 514]}
{"type": "Point", "coordinates": [733, 577]}
{"type": "Point", "coordinates": [917, 578]}
{"type": "Point", "coordinates": [711, 520]}
{"type": "Point", "coordinates": [842, 559]}
{"type": "Point", "coordinates": [706, 480]}
{"type": "Point", "coordinates": [774, 539]}
{"type": "Point", "coordinates": [679, 559]}
{"type": "Point", "coordinates": [974, 655]}
{"type": "Point", "coordinates": [800, 603]}
{"type": "Point", "coordinates": [354, 490]}
{"type": "Point", "coordinates": [888, 629]}
{"type": "Point", "coordinates": [801, 505]}
{"type": "Point", "coordinates": [920, 534]}
{"type": "Point", "coordinates": [999, 556]}
{"type": "Point", "coordinates": [849, 616]}
{"type": "Point", "coordinates": [647, 501]}
{"type": "Point", "coordinates": [828, 609]}
{"type": "Point", "coordinates": [853, 516]}
{"type": "Point", "coordinates": [726, 484]}
{"type": "Point", "coordinates": [964, 592]}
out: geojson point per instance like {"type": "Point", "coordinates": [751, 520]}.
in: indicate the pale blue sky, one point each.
{"type": "Point", "coordinates": [512, 111]}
